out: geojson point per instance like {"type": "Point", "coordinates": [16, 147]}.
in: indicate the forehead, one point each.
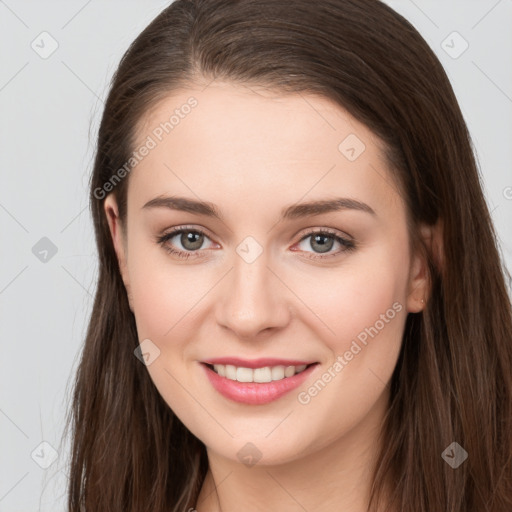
{"type": "Point", "coordinates": [231, 141]}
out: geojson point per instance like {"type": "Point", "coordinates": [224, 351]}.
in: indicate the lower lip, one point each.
{"type": "Point", "coordinates": [256, 393]}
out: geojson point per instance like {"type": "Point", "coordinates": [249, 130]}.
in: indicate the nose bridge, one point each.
{"type": "Point", "coordinates": [251, 300]}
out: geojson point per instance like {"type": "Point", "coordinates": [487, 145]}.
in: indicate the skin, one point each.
{"type": "Point", "coordinates": [252, 152]}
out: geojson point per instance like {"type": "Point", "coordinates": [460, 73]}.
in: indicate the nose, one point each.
{"type": "Point", "coordinates": [253, 299]}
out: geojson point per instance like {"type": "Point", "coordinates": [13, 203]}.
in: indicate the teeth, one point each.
{"type": "Point", "coordinates": [266, 374]}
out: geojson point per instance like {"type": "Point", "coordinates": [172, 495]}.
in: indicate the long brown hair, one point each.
{"type": "Point", "coordinates": [453, 379]}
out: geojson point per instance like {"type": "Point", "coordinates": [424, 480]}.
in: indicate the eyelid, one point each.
{"type": "Point", "coordinates": [347, 243]}
{"type": "Point", "coordinates": [200, 229]}
{"type": "Point", "coordinates": [344, 239]}
{"type": "Point", "coordinates": [329, 231]}
{"type": "Point", "coordinates": [176, 230]}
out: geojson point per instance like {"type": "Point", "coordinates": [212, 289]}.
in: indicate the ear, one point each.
{"type": "Point", "coordinates": [418, 287]}
{"type": "Point", "coordinates": [118, 239]}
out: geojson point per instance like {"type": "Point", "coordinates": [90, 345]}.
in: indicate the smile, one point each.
{"type": "Point", "coordinates": [259, 385]}
{"type": "Point", "coordinates": [265, 374]}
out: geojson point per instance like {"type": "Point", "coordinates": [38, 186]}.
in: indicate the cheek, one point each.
{"type": "Point", "coordinates": [156, 303]}
{"type": "Point", "coordinates": [163, 293]}
{"type": "Point", "coordinates": [165, 302]}
{"type": "Point", "coordinates": [349, 300]}
{"type": "Point", "coordinates": [365, 309]}
{"type": "Point", "coordinates": [361, 314]}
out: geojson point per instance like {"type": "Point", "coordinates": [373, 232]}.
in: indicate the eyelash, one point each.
{"type": "Point", "coordinates": [349, 245]}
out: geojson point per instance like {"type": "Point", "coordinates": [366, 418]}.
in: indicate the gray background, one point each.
{"type": "Point", "coordinates": [49, 114]}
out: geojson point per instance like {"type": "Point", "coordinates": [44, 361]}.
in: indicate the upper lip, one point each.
{"type": "Point", "coordinates": [256, 363]}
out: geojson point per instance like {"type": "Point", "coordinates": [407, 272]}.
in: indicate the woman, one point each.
{"type": "Point", "coordinates": [301, 304]}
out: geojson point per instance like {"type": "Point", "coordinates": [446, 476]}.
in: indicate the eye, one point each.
{"type": "Point", "coordinates": [322, 241]}
{"type": "Point", "coordinates": [191, 240]}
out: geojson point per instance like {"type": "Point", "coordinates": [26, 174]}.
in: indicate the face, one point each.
{"type": "Point", "coordinates": [271, 281]}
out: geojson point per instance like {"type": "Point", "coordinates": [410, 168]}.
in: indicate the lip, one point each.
{"type": "Point", "coordinates": [255, 393]}
{"type": "Point", "coordinates": [257, 363]}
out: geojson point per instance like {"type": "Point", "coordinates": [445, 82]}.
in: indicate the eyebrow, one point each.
{"type": "Point", "coordinates": [294, 211]}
